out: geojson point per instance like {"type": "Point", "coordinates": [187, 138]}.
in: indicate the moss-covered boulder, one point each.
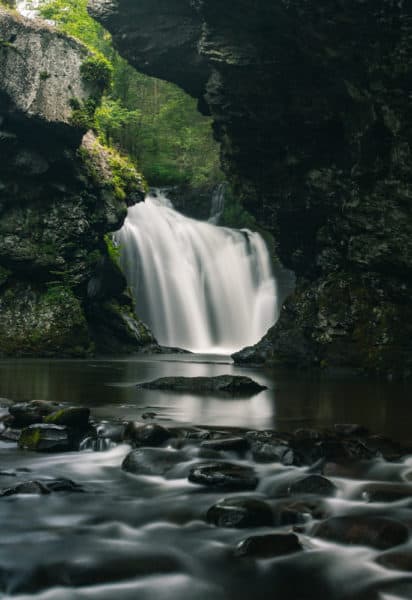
{"type": "Point", "coordinates": [76, 417]}
{"type": "Point", "coordinates": [45, 438]}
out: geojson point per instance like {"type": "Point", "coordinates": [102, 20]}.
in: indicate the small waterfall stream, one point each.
{"type": "Point", "coordinates": [198, 286]}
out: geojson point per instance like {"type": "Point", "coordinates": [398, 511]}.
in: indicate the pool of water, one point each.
{"type": "Point", "coordinates": [292, 399]}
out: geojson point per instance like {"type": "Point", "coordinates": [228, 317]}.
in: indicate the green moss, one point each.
{"type": "Point", "coordinates": [44, 75]}
{"type": "Point", "coordinates": [97, 71]}
{"type": "Point", "coordinates": [83, 113]}
{"type": "Point", "coordinates": [112, 249]}
{"type": "Point", "coordinates": [29, 438]}
{"type": "Point", "coordinates": [4, 275]}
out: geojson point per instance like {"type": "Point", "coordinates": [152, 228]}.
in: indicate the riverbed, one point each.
{"type": "Point", "coordinates": [147, 536]}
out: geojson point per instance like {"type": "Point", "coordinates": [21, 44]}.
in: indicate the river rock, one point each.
{"type": "Point", "coordinates": [268, 546]}
{"type": "Point", "coordinates": [36, 487]}
{"type": "Point", "coordinates": [240, 512]}
{"type": "Point", "coordinates": [350, 429]}
{"type": "Point", "coordinates": [236, 444]}
{"type": "Point", "coordinates": [45, 438]}
{"type": "Point", "coordinates": [233, 385]}
{"type": "Point", "coordinates": [378, 532]}
{"type": "Point", "coordinates": [268, 446]}
{"type": "Point", "coordinates": [29, 413]}
{"type": "Point", "coordinates": [313, 484]}
{"type": "Point", "coordinates": [224, 476]}
{"type": "Point", "coordinates": [76, 417]}
{"type": "Point", "coordinates": [399, 560]}
{"type": "Point", "coordinates": [295, 512]}
{"type": "Point", "coordinates": [150, 434]}
{"type": "Point", "coordinates": [152, 461]}
{"type": "Point", "coordinates": [386, 492]}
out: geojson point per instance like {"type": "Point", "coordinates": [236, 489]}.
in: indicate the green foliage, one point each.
{"type": "Point", "coordinates": [152, 121]}
{"type": "Point", "coordinates": [112, 248]}
{"type": "Point", "coordinates": [44, 75]}
{"type": "Point", "coordinates": [97, 70]}
{"type": "Point", "coordinates": [83, 113]}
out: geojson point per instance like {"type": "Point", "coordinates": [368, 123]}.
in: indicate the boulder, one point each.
{"type": "Point", "coordinates": [45, 438]}
{"type": "Point", "coordinates": [76, 417]}
{"type": "Point", "coordinates": [379, 532]}
{"type": "Point", "coordinates": [240, 512]}
{"type": "Point", "coordinates": [230, 385]}
{"type": "Point", "coordinates": [150, 434]}
{"type": "Point", "coordinates": [268, 546]}
{"type": "Point", "coordinates": [223, 476]}
{"type": "Point", "coordinates": [313, 484]}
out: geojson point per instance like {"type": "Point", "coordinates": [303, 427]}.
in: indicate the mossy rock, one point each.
{"type": "Point", "coordinates": [76, 417]}
{"type": "Point", "coordinates": [45, 438]}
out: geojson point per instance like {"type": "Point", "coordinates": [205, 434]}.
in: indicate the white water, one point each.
{"type": "Point", "coordinates": [198, 286]}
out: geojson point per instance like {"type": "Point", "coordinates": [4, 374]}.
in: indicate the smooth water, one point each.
{"type": "Point", "coordinates": [198, 286]}
{"type": "Point", "coordinates": [146, 537]}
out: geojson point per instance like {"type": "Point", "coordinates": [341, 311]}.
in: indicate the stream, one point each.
{"type": "Point", "coordinates": [147, 536]}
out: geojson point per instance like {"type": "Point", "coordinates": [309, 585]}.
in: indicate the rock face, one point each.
{"type": "Point", "coordinates": [311, 105]}
{"type": "Point", "coordinates": [60, 290]}
{"type": "Point", "coordinates": [229, 385]}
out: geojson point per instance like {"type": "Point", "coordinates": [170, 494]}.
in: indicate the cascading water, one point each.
{"type": "Point", "coordinates": [198, 286]}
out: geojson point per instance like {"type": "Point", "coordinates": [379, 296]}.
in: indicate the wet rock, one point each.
{"type": "Point", "coordinates": [27, 487]}
{"type": "Point", "coordinates": [224, 476]}
{"type": "Point", "coordinates": [112, 431]}
{"type": "Point", "coordinates": [350, 429]}
{"type": "Point", "coordinates": [237, 444]}
{"type": "Point", "coordinates": [29, 413]}
{"type": "Point", "coordinates": [382, 446]}
{"type": "Point", "coordinates": [35, 487]}
{"type": "Point", "coordinates": [268, 546]}
{"type": "Point", "coordinates": [149, 415]}
{"type": "Point", "coordinates": [45, 438]}
{"type": "Point", "coordinates": [386, 492]}
{"type": "Point", "coordinates": [313, 484]}
{"type": "Point", "coordinates": [151, 434]}
{"type": "Point", "coordinates": [240, 512]}
{"type": "Point", "coordinates": [10, 435]}
{"type": "Point", "coordinates": [233, 385]}
{"type": "Point", "coordinates": [378, 532]}
{"type": "Point", "coordinates": [399, 560]}
{"type": "Point", "coordinates": [299, 511]}
{"type": "Point", "coordinates": [346, 450]}
{"type": "Point", "coordinates": [268, 446]}
{"type": "Point", "coordinates": [76, 417]}
{"type": "Point", "coordinates": [152, 461]}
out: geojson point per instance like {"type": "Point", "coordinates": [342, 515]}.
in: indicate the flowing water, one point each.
{"type": "Point", "coordinates": [198, 286]}
{"type": "Point", "coordinates": [146, 537]}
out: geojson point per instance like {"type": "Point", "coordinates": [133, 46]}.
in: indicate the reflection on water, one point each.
{"type": "Point", "coordinates": [109, 387]}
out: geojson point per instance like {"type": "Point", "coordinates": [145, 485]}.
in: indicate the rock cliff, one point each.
{"type": "Point", "coordinates": [311, 104]}
{"type": "Point", "coordinates": [61, 292]}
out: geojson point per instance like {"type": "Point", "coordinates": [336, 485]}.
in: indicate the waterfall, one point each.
{"type": "Point", "coordinates": [218, 203]}
{"type": "Point", "coordinates": [198, 286]}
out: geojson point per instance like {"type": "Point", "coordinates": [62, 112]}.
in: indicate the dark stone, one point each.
{"type": "Point", "coordinates": [42, 487]}
{"type": "Point", "coordinates": [382, 446]}
{"type": "Point", "coordinates": [378, 532]}
{"type": "Point", "coordinates": [232, 385]}
{"type": "Point", "coordinates": [28, 413]}
{"type": "Point", "coordinates": [386, 492]}
{"type": "Point", "coordinates": [76, 417]}
{"type": "Point", "coordinates": [350, 429]}
{"type": "Point", "coordinates": [10, 435]}
{"type": "Point", "coordinates": [240, 512]}
{"type": "Point", "coordinates": [27, 487]}
{"type": "Point", "coordinates": [45, 438]}
{"type": "Point", "coordinates": [313, 484]}
{"type": "Point", "coordinates": [112, 431]}
{"type": "Point", "coordinates": [399, 560]}
{"type": "Point", "coordinates": [268, 546]}
{"type": "Point", "coordinates": [224, 476]}
{"type": "Point", "coordinates": [147, 435]}
{"type": "Point", "coordinates": [237, 444]}
{"type": "Point", "coordinates": [299, 511]}
{"type": "Point", "coordinates": [152, 461]}
{"type": "Point", "coordinates": [346, 450]}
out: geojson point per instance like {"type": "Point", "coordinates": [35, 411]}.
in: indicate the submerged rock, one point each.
{"type": "Point", "coordinates": [233, 385]}
{"type": "Point", "coordinates": [386, 492]}
{"type": "Point", "coordinates": [378, 532]}
{"type": "Point", "coordinates": [151, 434]}
{"type": "Point", "coordinates": [45, 438]}
{"type": "Point", "coordinates": [236, 444]}
{"type": "Point", "coordinates": [240, 512]}
{"type": "Point", "coordinates": [152, 461]}
{"type": "Point", "coordinates": [36, 487]}
{"type": "Point", "coordinates": [224, 476]}
{"type": "Point", "coordinates": [313, 484]}
{"type": "Point", "coordinates": [268, 546]}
